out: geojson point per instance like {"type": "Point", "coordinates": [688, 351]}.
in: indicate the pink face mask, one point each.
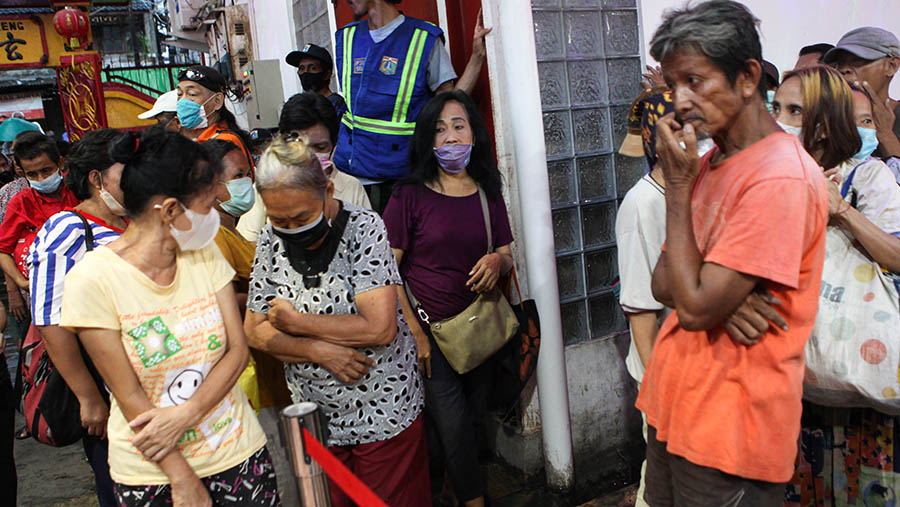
{"type": "Point", "coordinates": [325, 161]}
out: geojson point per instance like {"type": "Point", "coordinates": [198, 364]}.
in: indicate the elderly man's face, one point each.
{"type": "Point", "coordinates": [701, 92]}
{"type": "Point", "coordinates": [856, 69]}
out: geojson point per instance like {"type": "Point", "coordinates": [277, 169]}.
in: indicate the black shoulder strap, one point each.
{"type": "Point", "coordinates": [88, 232]}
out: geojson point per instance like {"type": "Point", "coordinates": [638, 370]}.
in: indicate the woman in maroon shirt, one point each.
{"type": "Point", "coordinates": [436, 229]}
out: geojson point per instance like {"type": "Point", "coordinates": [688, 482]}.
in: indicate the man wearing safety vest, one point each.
{"type": "Point", "coordinates": [389, 65]}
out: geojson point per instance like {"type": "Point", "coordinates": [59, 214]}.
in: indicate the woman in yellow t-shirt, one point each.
{"type": "Point", "coordinates": [156, 311]}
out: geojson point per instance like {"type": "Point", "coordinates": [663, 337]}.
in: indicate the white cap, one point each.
{"type": "Point", "coordinates": [165, 103]}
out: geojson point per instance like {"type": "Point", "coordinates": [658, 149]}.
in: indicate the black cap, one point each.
{"type": "Point", "coordinates": [310, 51]}
{"type": "Point", "coordinates": [771, 72]}
{"type": "Point", "coordinates": [204, 76]}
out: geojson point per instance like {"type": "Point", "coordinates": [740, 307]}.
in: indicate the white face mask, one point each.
{"type": "Point", "coordinates": [203, 231]}
{"type": "Point", "coordinates": [111, 202]}
{"type": "Point", "coordinates": [703, 146]}
{"type": "Point", "coordinates": [794, 131]}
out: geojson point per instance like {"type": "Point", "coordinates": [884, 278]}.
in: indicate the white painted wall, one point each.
{"type": "Point", "coordinates": [273, 34]}
{"type": "Point", "coordinates": [788, 25]}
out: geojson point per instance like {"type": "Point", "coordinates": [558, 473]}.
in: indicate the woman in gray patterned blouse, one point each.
{"type": "Point", "coordinates": [323, 300]}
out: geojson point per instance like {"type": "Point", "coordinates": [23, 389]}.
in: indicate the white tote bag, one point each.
{"type": "Point", "coordinates": [853, 354]}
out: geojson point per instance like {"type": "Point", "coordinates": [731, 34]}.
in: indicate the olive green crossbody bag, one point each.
{"type": "Point", "coordinates": [471, 337]}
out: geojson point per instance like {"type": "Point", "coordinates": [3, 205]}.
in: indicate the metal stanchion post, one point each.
{"type": "Point", "coordinates": [312, 483]}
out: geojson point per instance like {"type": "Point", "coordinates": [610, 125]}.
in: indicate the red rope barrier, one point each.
{"type": "Point", "coordinates": [340, 474]}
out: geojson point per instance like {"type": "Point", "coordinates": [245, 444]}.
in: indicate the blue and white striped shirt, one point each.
{"type": "Point", "coordinates": [56, 248]}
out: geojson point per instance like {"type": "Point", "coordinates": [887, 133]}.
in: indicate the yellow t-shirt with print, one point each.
{"type": "Point", "coordinates": [173, 336]}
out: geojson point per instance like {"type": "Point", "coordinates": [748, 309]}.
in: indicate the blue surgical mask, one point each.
{"type": "Point", "coordinates": [47, 185]}
{"type": "Point", "coordinates": [770, 97]}
{"type": "Point", "coordinates": [869, 142]}
{"type": "Point", "coordinates": [242, 197]}
{"type": "Point", "coordinates": [191, 114]}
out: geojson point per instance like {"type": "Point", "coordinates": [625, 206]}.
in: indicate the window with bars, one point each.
{"type": "Point", "coordinates": [590, 71]}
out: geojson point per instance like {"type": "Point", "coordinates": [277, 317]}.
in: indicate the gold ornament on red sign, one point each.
{"type": "Point", "coordinates": [72, 24]}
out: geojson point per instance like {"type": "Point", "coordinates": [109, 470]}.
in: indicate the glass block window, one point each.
{"type": "Point", "coordinates": [590, 72]}
{"type": "Point", "coordinates": [311, 23]}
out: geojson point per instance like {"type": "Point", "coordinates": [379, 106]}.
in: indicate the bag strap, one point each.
{"type": "Point", "coordinates": [416, 305]}
{"type": "Point", "coordinates": [845, 186]}
{"type": "Point", "coordinates": [486, 213]}
{"type": "Point", "coordinates": [515, 278]}
{"type": "Point", "coordinates": [88, 232]}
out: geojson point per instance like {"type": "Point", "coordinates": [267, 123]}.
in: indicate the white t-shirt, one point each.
{"type": "Point", "coordinates": [640, 234]}
{"type": "Point", "coordinates": [877, 192]}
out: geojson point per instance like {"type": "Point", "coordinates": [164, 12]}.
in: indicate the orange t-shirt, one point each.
{"type": "Point", "coordinates": [220, 131]}
{"type": "Point", "coordinates": [718, 403]}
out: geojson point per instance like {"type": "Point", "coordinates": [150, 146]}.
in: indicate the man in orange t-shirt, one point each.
{"type": "Point", "coordinates": [723, 415]}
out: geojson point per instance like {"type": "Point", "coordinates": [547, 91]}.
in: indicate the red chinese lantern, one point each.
{"type": "Point", "coordinates": [72, 24]}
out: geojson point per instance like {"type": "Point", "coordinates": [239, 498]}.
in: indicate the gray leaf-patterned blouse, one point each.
{"type": "Point", "coordinates": [390, 397]}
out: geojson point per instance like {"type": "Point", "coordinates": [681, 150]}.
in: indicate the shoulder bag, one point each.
{"type": "Point", "coordinates": [52, 411]}
{"type": "Point", "coordinates": [852, 355]}
{"type": "Point", "coordinates": [469, 338]}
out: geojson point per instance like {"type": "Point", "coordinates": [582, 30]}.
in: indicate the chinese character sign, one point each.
{"type": "Point", "coordinates": [22, 42]}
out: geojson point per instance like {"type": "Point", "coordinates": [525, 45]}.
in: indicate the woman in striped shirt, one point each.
{"type": "Point", "coordinates": [94, 178]}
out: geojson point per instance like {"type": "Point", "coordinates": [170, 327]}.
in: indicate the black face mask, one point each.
{"type": "Point", "coordinates": [7, 176]}
{"type": "Point", "coordinates": [312, 263]}
{"type": "Point", "coordinates": [307, 238]}
{"type": "Point", "coordinates": [313, 81]}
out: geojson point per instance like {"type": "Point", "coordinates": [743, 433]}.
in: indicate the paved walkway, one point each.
{"type": "Point", "coordinates": [61, 477]}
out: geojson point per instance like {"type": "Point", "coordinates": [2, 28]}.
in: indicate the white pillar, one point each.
{"type": "Point", "coordinates": [512, 60]}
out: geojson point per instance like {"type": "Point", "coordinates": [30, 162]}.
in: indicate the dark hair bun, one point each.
{"type": "Point", "coordinates": [122, 149]}
{"type": "Point", "coordinates": [161, 163]}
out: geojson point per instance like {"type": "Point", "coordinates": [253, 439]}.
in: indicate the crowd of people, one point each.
{"type": "Point", "coordinates": [184, 282]}
{"type": "Point", "coordinates": [757, 181]}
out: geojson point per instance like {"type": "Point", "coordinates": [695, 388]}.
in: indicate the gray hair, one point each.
{"type": "Point", "coordinates": [722, 30]}
{"type": "Point", "coordinates": [290, 164]}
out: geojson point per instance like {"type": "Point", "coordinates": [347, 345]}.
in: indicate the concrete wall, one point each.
{"type": "Point", "coordinates": [273, 38]}
{"type": "Point", "coordinates": [788, 25]}
{"type": "Point", "coordinates": [606, 428]}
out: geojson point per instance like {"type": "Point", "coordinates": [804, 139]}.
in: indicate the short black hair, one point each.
{"type": "Point", "coordinates": [33, 144]}
{"type": "Point", "coordinates": [161, 162]}
{"type": "Point", "coordinates": [216, 149]}
{"type": "Point", "coordinates": [90, 153]}
{"type": "Point", "coordinates": [307, 109]}
{"type": "Point", "coordinates": [722, 30]}
{"type": "Point", "coordinates": [821, 48]}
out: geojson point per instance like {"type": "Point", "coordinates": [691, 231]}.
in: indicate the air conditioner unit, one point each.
{"type": "Point", "coordinates": [182, 14]}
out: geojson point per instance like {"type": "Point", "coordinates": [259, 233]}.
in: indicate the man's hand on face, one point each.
{"type": "Point", "coordinates": [680, 165]}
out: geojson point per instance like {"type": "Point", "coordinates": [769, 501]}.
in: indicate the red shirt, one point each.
{"type": "Point", "coordinates": [26, 213]}
{"type": "Point", "coordinates": [718, 403]}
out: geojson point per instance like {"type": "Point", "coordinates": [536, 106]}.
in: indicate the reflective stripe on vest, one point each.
{"type": "Point", "coordinates": [397, 125]}
{"type": "Point", "coordinates": [378, 126]}
{"type": "Point", "coordinates": [348, 65]}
